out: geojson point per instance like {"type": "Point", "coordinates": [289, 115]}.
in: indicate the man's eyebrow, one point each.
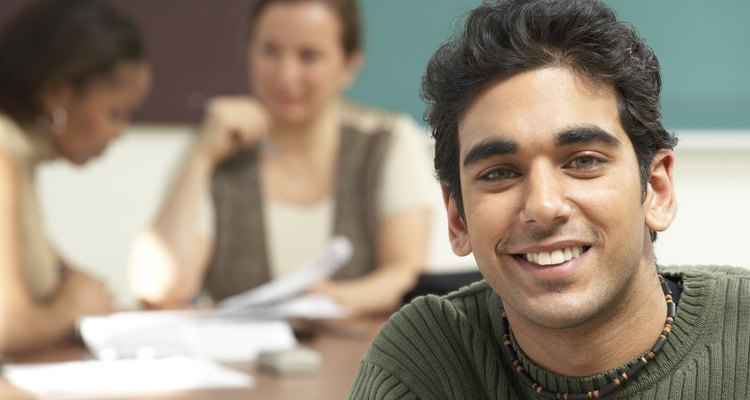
{"type": "Point", "coordinates": [575, 135]}
{"type": "Point", "coordinates": [585, 134]}
{"type": "Point", "coordinates": [488, 148]}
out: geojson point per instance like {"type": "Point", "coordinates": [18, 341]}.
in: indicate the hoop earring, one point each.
{"type": "Point", "coordinates": [59, 121]}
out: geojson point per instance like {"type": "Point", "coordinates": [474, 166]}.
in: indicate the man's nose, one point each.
{"type": "Point", "coordinates": [545, 201]}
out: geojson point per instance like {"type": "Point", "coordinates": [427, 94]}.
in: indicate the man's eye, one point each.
{"type": "Point", "coordinates": [499, 175]}
{"type": "Point", "coordinates": [585, 162]}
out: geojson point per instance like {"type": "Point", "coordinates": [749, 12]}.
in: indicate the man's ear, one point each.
{"type": "Point", "coordinates": [457, 232]}
{"type": "Point", "coordinates": [661, 203]}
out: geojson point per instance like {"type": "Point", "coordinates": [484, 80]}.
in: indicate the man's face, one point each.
{"type": "Point", "coordinates": [552, 197]}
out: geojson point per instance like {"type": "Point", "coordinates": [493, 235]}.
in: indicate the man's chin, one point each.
{"type": "Point", "coordinates": [558, 309]}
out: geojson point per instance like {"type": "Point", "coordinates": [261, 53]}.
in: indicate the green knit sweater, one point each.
{"type": "Point", "coordinates": [449, 348]}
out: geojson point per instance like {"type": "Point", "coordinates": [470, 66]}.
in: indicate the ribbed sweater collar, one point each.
{"type": "Point", "coordinates": [697, 303]}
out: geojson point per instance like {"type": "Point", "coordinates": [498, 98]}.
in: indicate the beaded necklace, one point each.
{"type": "Point", "coordinates": [524, 376]}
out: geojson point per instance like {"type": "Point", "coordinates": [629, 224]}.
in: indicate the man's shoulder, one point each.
{"type": "Point", "coordinates": [459, 302]}
{"type": "Point", "coordinates": [438, 319]}
{"type": "Point", "coordinates": [689, 272]}
{"type": "Point", "coordinates": [470, 295]}
{"type": "Point", "coordinates": [439, 336]}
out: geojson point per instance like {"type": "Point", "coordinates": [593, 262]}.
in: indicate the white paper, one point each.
{"type": "Point", "coordinates": [237, 330]}
{"type": "Point", "coordinates": [157, 334]}
{"type": "Point", "coordinates": [92, 379]}
{"type": "Point", "coordinates": [337, 253]}
{"type": "Point", "coordinates": [306, 307]}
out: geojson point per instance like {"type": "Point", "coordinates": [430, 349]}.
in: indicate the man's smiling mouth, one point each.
{"type": "Point", "coordinates": [554, 257]}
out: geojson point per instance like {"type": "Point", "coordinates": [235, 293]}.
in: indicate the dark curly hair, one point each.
{"type": "Point", "coordinates": [54, 41]}
{"type": "Point", "coordinates": [503, 38]}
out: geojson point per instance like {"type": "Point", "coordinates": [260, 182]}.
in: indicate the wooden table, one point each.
{"type": "Point", "coordinates": [341, 346]}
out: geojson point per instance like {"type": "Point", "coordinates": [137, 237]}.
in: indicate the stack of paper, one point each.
{"type": "Point", "coordinates": [236, 330]}
{"type": "Point", "coordinates": [157, 334]}
{"type": "Point", "coordinates": [283, 298]}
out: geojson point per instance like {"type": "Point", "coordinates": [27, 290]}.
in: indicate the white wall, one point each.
{"type": "Point", "coordinates": [712, 179]}
{"type": "Point", "coordinates": [94, 212]}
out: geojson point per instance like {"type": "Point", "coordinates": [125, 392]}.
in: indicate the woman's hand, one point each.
{"type": "Point", "coordinates": [372, 294]}
{"type": "Point", "coordinates": [231, 123]}
{"type": "Point", "coordinates": [402, 242]}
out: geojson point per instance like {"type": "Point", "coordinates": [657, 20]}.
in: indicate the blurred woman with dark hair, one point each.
{"type": "Point", "coordinates": [71, 73]}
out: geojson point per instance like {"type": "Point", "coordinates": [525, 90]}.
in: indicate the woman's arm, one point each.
{"type": "Point", "coordinates": [169, 260]}
{"type": "Point", "coordinates": [402, 250]}
{"type": "Point", "coordinates": [405, 213]}
{"type": "Point", "coordinates": [27, 323]}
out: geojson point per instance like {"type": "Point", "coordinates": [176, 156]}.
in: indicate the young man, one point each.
{"type": "Point", "coordinates": [557, 174]}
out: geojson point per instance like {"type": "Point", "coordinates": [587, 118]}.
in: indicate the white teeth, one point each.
{"type": "Point", "coordinates": [555, 257]}
{"type": "Point", "coordinates": [545, 258]}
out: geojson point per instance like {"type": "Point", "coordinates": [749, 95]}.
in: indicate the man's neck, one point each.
{"type": "Point", "coordinates": [630, 329]}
